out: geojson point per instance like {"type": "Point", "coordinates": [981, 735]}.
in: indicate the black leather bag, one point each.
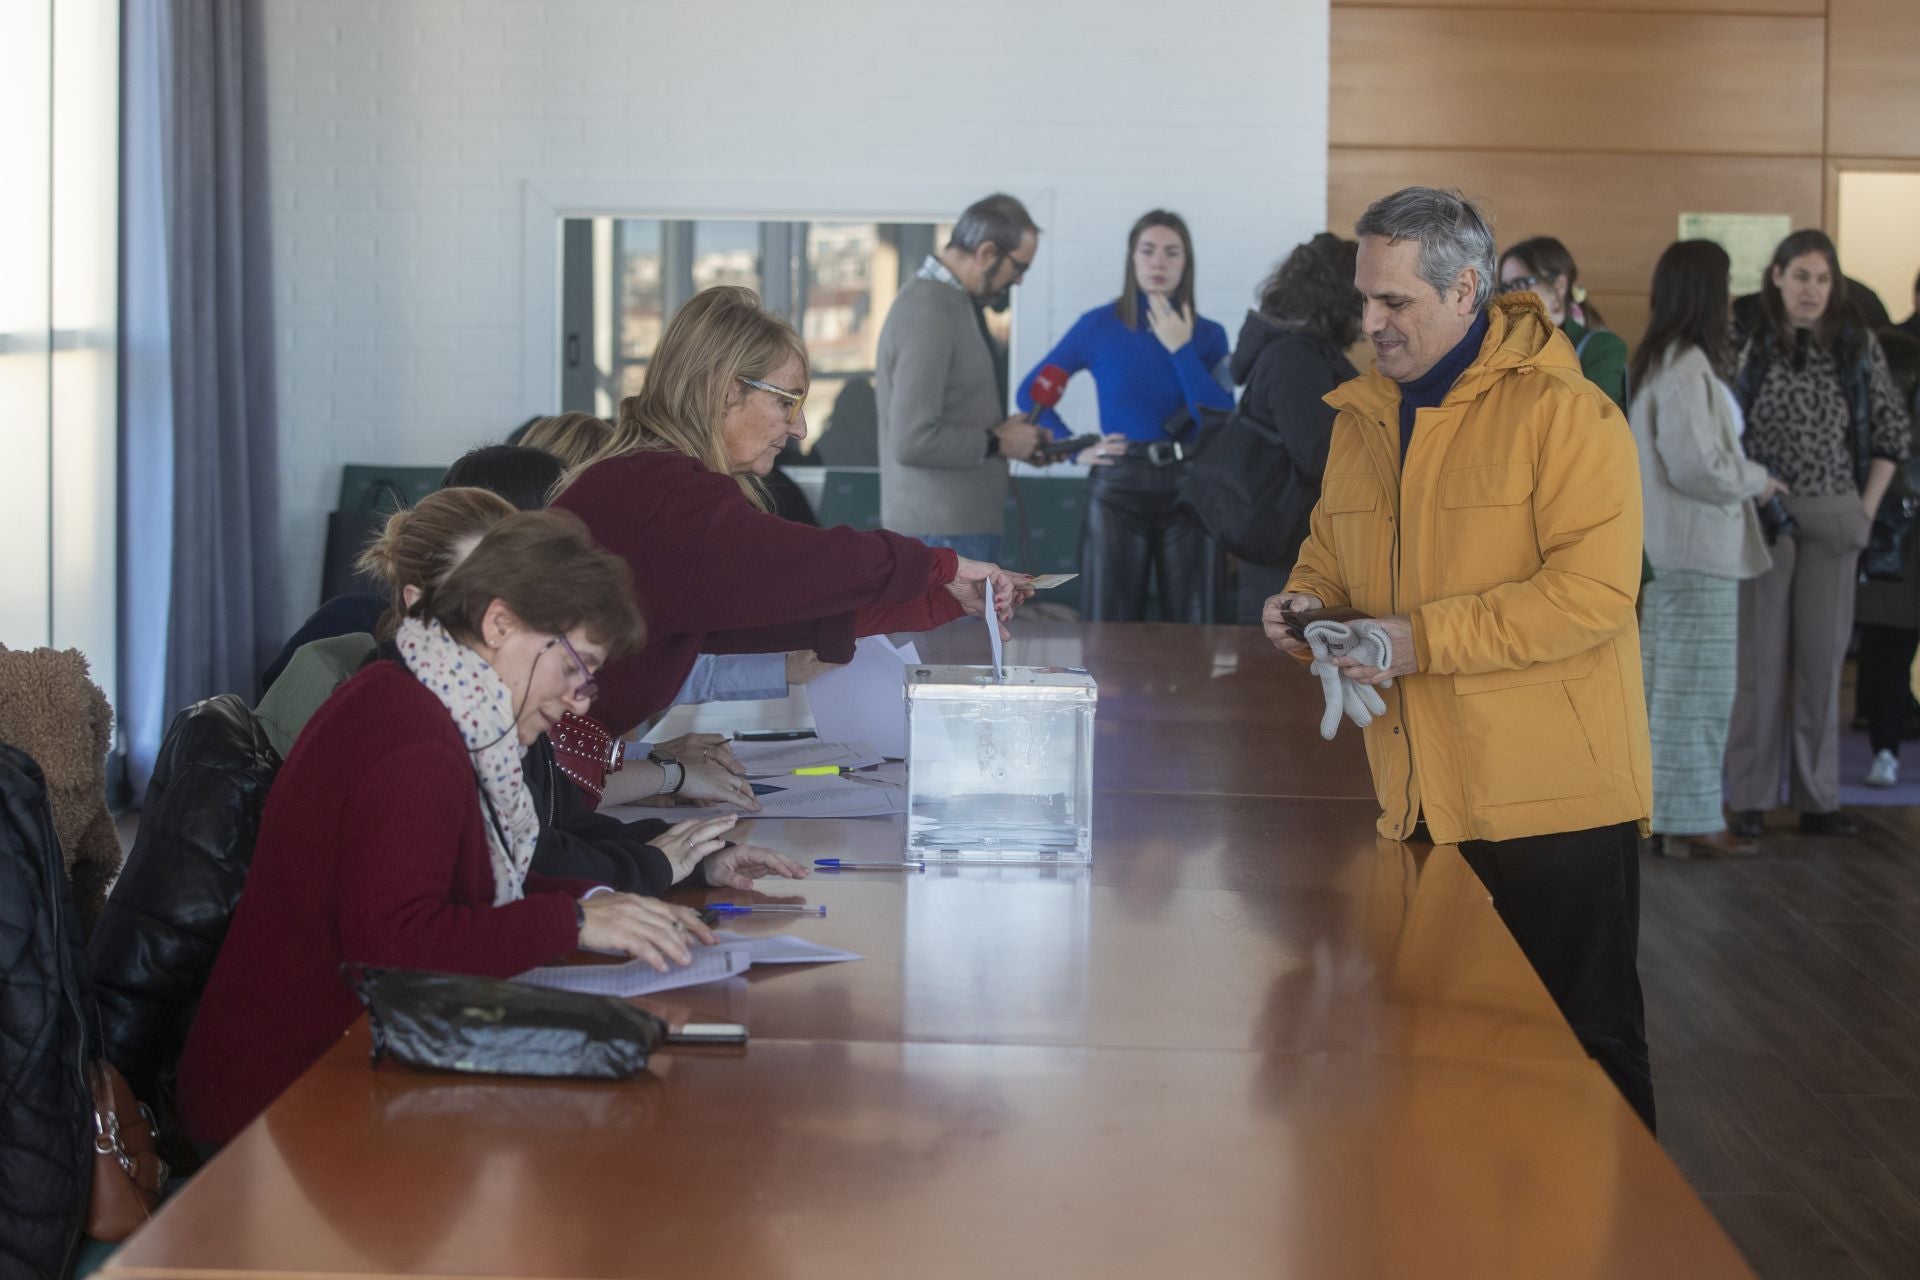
{"type": "Point", "coordinates": [485, 1026]}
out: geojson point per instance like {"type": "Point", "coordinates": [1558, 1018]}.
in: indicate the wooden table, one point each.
{"type": "Point", "coordinates": [1251, 1039]}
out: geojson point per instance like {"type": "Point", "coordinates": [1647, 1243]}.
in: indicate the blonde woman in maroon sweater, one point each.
{"type": "Point", "coordinates": [676, 494]}
{"type": "Point", "coordinates": [400, 831]}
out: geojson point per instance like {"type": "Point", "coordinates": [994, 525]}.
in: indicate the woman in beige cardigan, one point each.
{"type": "Point", "coordinates": [1703, 537]}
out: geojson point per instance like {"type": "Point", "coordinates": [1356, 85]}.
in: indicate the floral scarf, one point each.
{"type": "Point", "coordinates": [482, 709]}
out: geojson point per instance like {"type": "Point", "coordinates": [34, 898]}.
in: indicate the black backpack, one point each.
{"type": "Point", "coordinates": [1234, 485]}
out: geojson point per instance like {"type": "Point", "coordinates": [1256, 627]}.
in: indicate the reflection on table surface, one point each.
{"type": "Point", "coordinates": [1251, 1039]}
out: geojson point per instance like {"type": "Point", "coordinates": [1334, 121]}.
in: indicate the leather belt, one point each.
{"type": "Point", "coordinates": [1161, 453]}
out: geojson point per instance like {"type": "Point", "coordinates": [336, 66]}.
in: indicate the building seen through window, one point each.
{"type": "Point", "coordinates": [834, 281]}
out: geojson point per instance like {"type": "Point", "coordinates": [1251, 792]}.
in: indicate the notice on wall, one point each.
{"type": "Point", "coordinates": [1748, 238]}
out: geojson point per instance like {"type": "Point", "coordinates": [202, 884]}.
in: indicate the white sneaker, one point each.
{"type": "Point", "coordinates": [1884, 771]}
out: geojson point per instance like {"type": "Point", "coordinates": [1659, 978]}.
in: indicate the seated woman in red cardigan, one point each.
{"type": "Point", "coordinates": [676, 494]}
{"type": "Point", "coordinates": [400, 829]}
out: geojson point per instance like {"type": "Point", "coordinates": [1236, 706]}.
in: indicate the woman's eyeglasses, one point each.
{"type": "Point", "coordinates": [1518, 283]}
{"type": "Point", "coordinates": [587, 687]}
{"type": "Point", "coordinates": [794, 399]}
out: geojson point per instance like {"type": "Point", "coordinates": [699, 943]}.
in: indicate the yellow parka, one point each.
{"type": "Point", "coordinates": [1512, 539]}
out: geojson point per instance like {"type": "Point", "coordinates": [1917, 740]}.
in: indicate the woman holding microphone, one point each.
{"type": "Point", "coordinates": [1156, 365]}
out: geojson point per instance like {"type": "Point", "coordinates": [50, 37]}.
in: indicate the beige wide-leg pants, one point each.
{"type": "Point", "coordinates": [1794, 624]}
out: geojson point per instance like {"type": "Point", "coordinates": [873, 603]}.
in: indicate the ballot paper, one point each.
{"type": "Point", "coordinates": [733, 954]}
{"type": "Point", "coordinates": [843, 797]}
{"type": "Point", "coordinates": [865, 700]}
{"type": "Point", "coordinates": [773, 759]}
{"type": "Point", "coordinates": [993, 631]}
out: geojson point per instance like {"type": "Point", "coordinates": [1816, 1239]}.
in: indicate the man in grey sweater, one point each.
{"type": "Point", "coordinates": [944, 436]}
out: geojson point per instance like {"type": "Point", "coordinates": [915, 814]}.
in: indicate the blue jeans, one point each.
{"type": "Point", "coordinates": [970, 546]}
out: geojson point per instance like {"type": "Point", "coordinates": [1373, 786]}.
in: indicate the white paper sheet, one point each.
{"type": "Point", "coordinates": [864, 701]}
{"type": "Point", "coordinates": [734, 954]}
{"type": "Point", "coordinates": [767, 759]}
{"type": "Point", "coordinates": [993, 633]}
{"type": "Point", "coordinates": [797, 798]}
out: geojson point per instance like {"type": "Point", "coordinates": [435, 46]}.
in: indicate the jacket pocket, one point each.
{"type": "Point", "coordinates": [1486, 526]}
{"type": "Point", "coordinates": [1347, 495]}
{"type": "Point", "coordinates": [1523, 738]}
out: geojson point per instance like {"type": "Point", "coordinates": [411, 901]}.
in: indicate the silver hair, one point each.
{"type": "Point", "coordinates": [1452, 234]}
{"type": "Point", "coordinates": [997, 219]}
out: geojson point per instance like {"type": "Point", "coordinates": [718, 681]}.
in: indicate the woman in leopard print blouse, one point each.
{"type": "Point", "coordinates": [1823, 416]}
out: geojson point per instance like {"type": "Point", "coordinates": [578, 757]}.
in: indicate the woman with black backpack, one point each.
{"type": "Point", "coordinates": [1291, 352]}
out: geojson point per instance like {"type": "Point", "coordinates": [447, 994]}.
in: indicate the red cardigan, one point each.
{"type": "Point", "coordinates": [372, 848]}
{"type": "Point", "coordinates": [715, 575]}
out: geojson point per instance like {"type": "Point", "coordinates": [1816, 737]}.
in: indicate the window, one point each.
{"type": "Point", "coordinates": [834, 281]}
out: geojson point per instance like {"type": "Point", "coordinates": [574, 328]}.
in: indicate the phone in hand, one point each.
{"type": "Point", "coordinates": [1055, 450]}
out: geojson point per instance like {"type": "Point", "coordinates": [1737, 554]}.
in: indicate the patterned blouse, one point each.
{"type": "Point", "coordinates": [1800, 425]}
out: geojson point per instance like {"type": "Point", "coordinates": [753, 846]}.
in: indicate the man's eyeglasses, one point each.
{"type": "Point", "coordinates": [1020, 268]}
{"type": "Point", "coordinates": [589, 686]}
{"type": "Point", "coordinates": [794, 399]}
{"type": "Point", "coordinates": [1518, 283]}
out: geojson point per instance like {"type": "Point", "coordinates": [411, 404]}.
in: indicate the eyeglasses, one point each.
{"type": "Point", "coordinates": [588, 687]}
{"type": "Point", "coordinates": [1020, 268]}
{"type": "Point", "coordinates": [1518, 283]}
{"type": "Point", "coordinates": [794, 399]}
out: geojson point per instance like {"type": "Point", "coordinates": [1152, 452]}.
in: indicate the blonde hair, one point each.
{"type": "Point", "coordinates": [574, 438]}
{"type": "Point", "coordinates": [422, 544]}
{"type": "Point", "coordinates": [721, 335]}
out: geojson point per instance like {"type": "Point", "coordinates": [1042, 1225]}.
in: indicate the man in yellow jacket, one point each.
{"type": "Point", "coordinates": [1482, 501]}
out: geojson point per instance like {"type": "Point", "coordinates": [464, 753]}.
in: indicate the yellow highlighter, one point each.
{"type": "Point", "coordinates": [819, 771]}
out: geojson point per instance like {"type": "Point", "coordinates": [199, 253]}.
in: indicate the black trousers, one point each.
{"type": "Point", "coordinates": [1882, 685]}
{"type": "Point", "coordinates": [1572, 902]}
{"type": "Point", "coordinates": [1136, 535]}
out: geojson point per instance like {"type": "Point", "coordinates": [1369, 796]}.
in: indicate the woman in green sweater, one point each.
{"type": "Point", "coordinates": [1543, 265]}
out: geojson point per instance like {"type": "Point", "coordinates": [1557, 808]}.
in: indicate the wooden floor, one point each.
{"type": "Point", "coordinates": [1783, 1013]}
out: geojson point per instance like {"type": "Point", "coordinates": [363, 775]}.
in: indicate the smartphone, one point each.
{"type": "Point", "coordinates": [1054, 450]}
{"type": "Point", "coordinates": [709, 1033]}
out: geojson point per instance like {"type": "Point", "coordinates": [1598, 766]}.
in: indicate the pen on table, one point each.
{"type": "Point", "coordinates": [766, 909]}
{"type": "Point", "coordinates": [842, 864]}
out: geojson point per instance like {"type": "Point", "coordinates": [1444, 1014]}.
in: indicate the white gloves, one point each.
{"type": "Point", "coordinates": [1363, 640]}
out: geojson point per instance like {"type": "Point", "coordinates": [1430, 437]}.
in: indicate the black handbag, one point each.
{"type": "Point", "coordinates": [487, 1026]}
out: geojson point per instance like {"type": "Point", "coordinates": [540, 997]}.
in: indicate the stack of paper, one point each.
{"type": "Point", "coordinates": [865, 701]}
{"type": "Point", "coordinates": [733, 954]}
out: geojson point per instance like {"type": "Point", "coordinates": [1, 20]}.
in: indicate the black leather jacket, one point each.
{"type": "Point", "coordinates": [46, 1124]}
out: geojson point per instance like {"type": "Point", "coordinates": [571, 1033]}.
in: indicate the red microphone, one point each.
{"type": "Point", "coordinates": [1048, 384]}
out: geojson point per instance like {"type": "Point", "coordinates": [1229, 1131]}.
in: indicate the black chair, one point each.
{"type": "Point", "coordinates": [153, 950]}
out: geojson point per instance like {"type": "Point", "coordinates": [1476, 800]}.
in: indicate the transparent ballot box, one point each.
{"type": "Point", "coordinates": [1000, 770]}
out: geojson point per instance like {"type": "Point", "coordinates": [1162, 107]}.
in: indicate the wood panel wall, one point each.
{"type": "Point", "coordinates": [1600, 121]}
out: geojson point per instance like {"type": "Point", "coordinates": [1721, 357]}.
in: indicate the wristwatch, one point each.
{"type": "Point", "coordinates": [993, 445]}
{"type": "Point", "coordinates": [669, 768]}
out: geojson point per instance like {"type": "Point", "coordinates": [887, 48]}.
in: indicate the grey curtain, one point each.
{"type": "Point", "coordinates": [224, 615]}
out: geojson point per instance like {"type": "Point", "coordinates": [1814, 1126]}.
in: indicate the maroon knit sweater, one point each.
{"type": "Point", "coordinates": [373, 848]}
{"type": "Point", "coordinates": [713, 574]}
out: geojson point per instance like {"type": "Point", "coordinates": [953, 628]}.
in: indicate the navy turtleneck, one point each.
{"type": "Point", "coordinates": [1431, 387]}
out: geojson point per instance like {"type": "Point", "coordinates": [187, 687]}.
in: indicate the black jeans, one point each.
{"type": "Point", "coordinates": [1882, 685]}
{"type": "Point", "coordinates": [1572, 902]}
{"type": "Point", "coordinates": [1135, 531]}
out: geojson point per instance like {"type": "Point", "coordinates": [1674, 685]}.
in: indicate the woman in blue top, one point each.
{"type": "Point", "coordinates": [1154, 363]}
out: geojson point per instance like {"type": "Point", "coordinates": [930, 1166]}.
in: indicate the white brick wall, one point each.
{"type": "Point", "coordinates": [404, 133]}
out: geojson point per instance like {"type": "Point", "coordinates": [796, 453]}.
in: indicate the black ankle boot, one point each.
{"type": "Point", "coordinates": [1834, 823]}
{"type": "Point", "coordinates": [1750, 823]}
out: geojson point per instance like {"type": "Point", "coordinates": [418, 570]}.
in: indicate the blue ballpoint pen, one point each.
{"type": "Point", "coordinates": [766, 909]}
{"type": "Point", "coordinates": [843, 864]}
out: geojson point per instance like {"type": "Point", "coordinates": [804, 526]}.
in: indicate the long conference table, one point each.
{"type": "Point", "coordinates": [1252, 1039]}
